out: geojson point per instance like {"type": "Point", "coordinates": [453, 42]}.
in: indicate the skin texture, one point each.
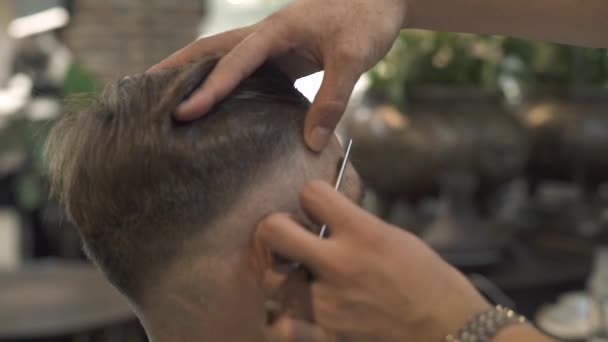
{"type": "Point", "coordinates": [217, 289]}
{"type": "Point", "coordinates": [368, 266]}
{"type": "Point", "coordinates": [347, 37]}
{"type": "Point", "coordinates": [308, 35]}
{"type": "Point", "coordinates": [523, 333]}
{"type": "Point", "coordinates": [374, 282]}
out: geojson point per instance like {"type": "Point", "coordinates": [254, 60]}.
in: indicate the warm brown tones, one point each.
{"type": "Point", "coordinates": [137, 183]}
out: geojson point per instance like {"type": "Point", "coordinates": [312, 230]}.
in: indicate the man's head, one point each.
{"type": "Point", "coordinates": [167, 209]}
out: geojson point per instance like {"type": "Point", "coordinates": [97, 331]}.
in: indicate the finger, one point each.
{"type": "Point", "coordinates": [292, 330]}
{"type": "Point", "coordinates": [261, 45]}
{"type": "Point", "coordinates": [218, 44]}
{"type": "Point", "coordinates": [286, 237]}
{"type": "Point", "coordinates": [329, 104]}
{"type": "Point", "coordinates": [325, 205]}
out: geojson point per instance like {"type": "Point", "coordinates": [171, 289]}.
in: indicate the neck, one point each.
{"type": "Point", "coordinates": [186, 325]}
{"type": "Point", "coordinates": [228, 307]}
{"type": "Point", "coordinates": [177, 318]}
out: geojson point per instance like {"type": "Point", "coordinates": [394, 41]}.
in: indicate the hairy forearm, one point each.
{"type": "Point", "coordinates": [577, 22]}
{"type": "Point", "coordinates": [521, 333]}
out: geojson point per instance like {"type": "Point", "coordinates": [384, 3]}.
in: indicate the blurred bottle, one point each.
{"type": "Point", "coordinates": [597, 285]}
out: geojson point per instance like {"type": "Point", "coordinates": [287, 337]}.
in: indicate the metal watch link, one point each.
{"type": "Point", "coordinates": [486, 325]}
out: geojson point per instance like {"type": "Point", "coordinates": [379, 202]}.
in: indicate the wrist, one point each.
{"type": "Point", "coordinates": [467, 303]}
{"type": "Point", "coordinates": [487, 325]}
{"type": "Point", "coordinates": [453, 307]}
{"type": "Point", "coordinates": [520, 332]}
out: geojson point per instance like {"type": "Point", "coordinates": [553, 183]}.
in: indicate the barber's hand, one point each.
{"type": "Point", "coordinates": [343, 37]}
{"type": "Point", "coordinates": [373, 281]}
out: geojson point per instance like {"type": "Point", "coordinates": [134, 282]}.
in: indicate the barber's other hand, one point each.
{"type": "Point", "coordinates": [343, 37]}
{"type": "Point", "coordinates": [373, 281]}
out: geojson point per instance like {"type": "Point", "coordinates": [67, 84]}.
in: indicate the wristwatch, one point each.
{"type": "Point", "coordinates": [486, 325]}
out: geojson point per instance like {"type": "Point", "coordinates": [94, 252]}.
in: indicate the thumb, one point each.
{"type": "Point", "coordinates": [329, 105]}
{"type": "Point", "coordinates": [287, 329]}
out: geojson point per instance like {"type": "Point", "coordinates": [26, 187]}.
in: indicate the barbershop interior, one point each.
{"type": "Point", "coordinates": [492, 150]}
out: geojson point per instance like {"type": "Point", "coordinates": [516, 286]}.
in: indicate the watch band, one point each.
{"type": "Point", "coordinates": [486, 325]}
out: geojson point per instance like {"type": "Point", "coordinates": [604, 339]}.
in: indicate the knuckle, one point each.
{"type": "Point", "coordinates": [349, 55]}
{"type": "Point", "coordinates": [232, 60]}
{"type": "Point", "coordinates": [278, 218]}
{"type": "Point", "coordinates": [276, 18]}
{"type": "Point", "coordinates": [272, 221]}
{"type": "Point", "coordinates": [344, 265]}
{"type": "Point", "coordinates": [374, 232]}
{"type": "Point", "coordinates": [312, 189]}
{"type": "Point", "coordinates": [277, 30]}
{"type": "Point", "coordinates": [234, 63]}
{"type": "Point", "coordinates": [349, 270]}
{"type": "Point", "coordinates": [330, 108]}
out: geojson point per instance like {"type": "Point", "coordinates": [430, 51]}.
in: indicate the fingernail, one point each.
{"type": "Point", "coordinates": [183, 108]}
{"type": "Point", "coordinates": [319, 138]}
{"type": "Point", "coordinates": [153, 69]}
{"type": "Point", "coordinates": [185, 112]}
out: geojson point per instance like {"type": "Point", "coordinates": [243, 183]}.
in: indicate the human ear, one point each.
{"type": "Point", "coordinates": [270, 269]}
{"type": "Point", "coordinates": [285, 285]}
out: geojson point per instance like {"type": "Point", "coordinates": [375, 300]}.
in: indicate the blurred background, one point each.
{"type": "Point", "coordinates": [492, 149]}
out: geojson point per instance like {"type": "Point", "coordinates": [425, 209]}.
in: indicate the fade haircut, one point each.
{"type": "Point", "coordinates": [137, 184]}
